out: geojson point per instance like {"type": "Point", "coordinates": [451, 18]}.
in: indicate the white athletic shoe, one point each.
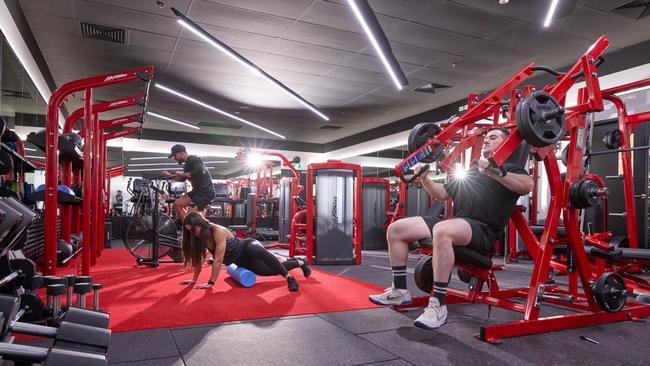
{"type": "Point", "coordinates": [433, 317]}
{"type": "Point", "coordinates": [391, 296]}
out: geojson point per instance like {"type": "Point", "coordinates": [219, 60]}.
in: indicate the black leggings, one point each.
{"type": "Point", "coordinates": [255, 258]}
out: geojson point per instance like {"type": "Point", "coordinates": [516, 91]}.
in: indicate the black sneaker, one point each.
{"type": "Point", "coordinates": [293, 285]}
{"type": "Point", "coordinates": [306, 271]}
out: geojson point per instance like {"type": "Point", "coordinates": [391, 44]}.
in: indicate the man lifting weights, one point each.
{"type": "Point", "coordinates": [482, 204]}
{"type": "Point", "coordinates": [197, 173]}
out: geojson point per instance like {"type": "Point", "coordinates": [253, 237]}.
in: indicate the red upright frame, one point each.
{"type": "Point", "coordinates": [51, 162]}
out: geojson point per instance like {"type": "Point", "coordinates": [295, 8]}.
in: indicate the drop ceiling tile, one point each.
{"type": "Point", "coordinates": [308, 51]}
{"type": "Point", "coordinates": [469, 66]}
{"type": "Point", "coordinates": [431, 38]}
{"type": "Point", "coordinates": [284, 8]}
{"type": "Point", "coordinates": [327, 37]}
{"type": "Point", "coordinates": [61, 8]}
{"type": "Point", "coordinates": [44, 22]}
{"type": "Point", "coordinates": [148, 6]}
{"type": "Point", "coordinates": [491, 51]}
{"type": "Point", "coordinates": [228, 17]}
{"type": "Point", "coordinates": [151, 40]}
{"type": "Point", "coordinates": [461, 19]}
{"type": "Point", "coordinates": [205, 50]}
{"type": "Point", "coordinates": [413, 54]}
{"type": "Point", "coordinates": [587, 22]}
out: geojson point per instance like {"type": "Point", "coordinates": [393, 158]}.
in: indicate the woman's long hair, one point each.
{"type": "Point", "coordinates": [193, 247]}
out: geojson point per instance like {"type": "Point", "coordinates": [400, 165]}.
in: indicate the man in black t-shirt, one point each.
{"type": "Point", "coordinates": [197, 173]}
{"type": "Point", "coordinates": [482, 205]}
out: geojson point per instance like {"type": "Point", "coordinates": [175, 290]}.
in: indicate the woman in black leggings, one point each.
{"type": "Point", "coordinates": [200, 235]}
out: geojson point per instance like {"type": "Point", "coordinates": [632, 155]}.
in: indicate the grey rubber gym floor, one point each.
{"type": "Point", "coordinates": [381, 336]}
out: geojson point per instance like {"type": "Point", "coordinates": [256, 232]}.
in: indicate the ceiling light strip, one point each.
{"type": "Point", "coordinates": [204, 35]}
{"type": "Point", "coordinates": [373, 40]}
{"type": "Point", "coordinates": [178, 94]}
{"type": "Point", "coordinates": [551, 11]}
{"type": "Point", "coordinates": [172, 120]}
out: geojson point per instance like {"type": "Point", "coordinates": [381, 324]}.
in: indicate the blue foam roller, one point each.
{"type": "Point", "coordinates": [241, 275]}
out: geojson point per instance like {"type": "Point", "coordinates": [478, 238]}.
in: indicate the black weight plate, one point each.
{"type": "Point", "coordinates": [588, 193]}
{"type": "Point", "coordinates": [420, 135]}
{"type": "Point", "coordinates": [35, 304]}
{"type": "Point", "coordinates": [28, 269]}
{"type": "Point", "coordinates": [536, 130]}
{"type": "Point", "coordinates": [423, 274]}
{"type": "Point", "coordinates": [612, 139]}
{"type": "Point", "coordinates": [574, 194]}
{"type": "Point", "coordinates": [610, 292]}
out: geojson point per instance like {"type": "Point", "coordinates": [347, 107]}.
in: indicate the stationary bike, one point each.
{"type": "Point", "coordinates": [151, 235]}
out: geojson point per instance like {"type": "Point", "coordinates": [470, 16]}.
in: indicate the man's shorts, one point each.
{"type": "Point", "coordinates": [482, 241]}
{"type": "Point", "coordinates": [201, 199]}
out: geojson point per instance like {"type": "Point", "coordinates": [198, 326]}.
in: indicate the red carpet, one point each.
{"type": "Point", "coordinates": [144, 297]}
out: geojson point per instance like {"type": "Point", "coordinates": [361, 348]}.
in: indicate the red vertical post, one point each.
{"type": "Point", "coordinates": [358, 216]}
{"type": "Point", "coordinates": [97, 188]}
{"type": "Point", "coordinates": [309, 242]}
{"type": "Point", "coordinates": [87, 197]}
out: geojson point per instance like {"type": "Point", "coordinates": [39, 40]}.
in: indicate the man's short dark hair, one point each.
{"type": "Point", "coordinates": [504, 131]}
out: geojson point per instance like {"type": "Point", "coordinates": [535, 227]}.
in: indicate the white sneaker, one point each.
{"type": "Point", "coordinates": [392, 296]}
{"type": "Point", "coordinates": [433, 317]}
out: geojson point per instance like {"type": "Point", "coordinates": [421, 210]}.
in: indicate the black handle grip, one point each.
{"type": "Point", "coordinates": [498, 170]}
{"type": "Point", "coordinates": [411, 179]}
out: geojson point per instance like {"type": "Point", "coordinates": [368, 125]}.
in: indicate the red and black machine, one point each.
{"type": "Point", "coordinates": [539, 119]}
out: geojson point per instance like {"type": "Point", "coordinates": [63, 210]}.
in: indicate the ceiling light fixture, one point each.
{"type": "Point", "coordinates": [368, 20]}
{"type": "Point", "coordinates": [172, 120]}
{"type": "Point", "coordinates": [551, 11]}
{"type": "Point", "coordinates": [178, 94]}
{"type": "Point", "coordinates": [204, 35]}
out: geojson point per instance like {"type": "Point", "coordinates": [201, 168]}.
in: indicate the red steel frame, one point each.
{"type": "Point", "coordinates": [589, 100]}
{"type": "Point", "coordinates": [296, 189]}
{"type": "Point", "coordinates": [51, 163]}
{"type": "Point", "coordinates": [98, 171]}
{"type": "Point", "coordinates": [311, 208]}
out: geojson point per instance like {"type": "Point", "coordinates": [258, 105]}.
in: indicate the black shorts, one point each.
{"type": "Point", "coordinates": [482, 240]}
{"type": "Point", "coordinates": [201, 199]}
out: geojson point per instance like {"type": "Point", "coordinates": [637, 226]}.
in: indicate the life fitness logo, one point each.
{"type": "Point", "coordinates": [114, 77]}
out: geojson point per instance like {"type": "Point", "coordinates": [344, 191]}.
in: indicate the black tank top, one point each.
{"type": "Point", "coordinates": [234, 247]}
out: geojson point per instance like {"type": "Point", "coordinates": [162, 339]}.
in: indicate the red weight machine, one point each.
{"type": "Point", "coordinates": [311, 214]}
{"type": "Point", "coordinates": [92, 166]}
{"type": "Point", "coordinates": [532, 115]}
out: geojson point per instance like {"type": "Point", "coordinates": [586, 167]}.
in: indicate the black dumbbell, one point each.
{"type": "Point", "coordinates": [53, 280]}
{"type": "Point", "coordinates": [81, 289]}
{"type": "Point", "coordinates": [96, 288]}
{"type": "Point", "coordinates": [83, 279]}
{"type": "Point", "coordinates": [54, 292]}
{"type": "Point", "coordinates": [71, 281]}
